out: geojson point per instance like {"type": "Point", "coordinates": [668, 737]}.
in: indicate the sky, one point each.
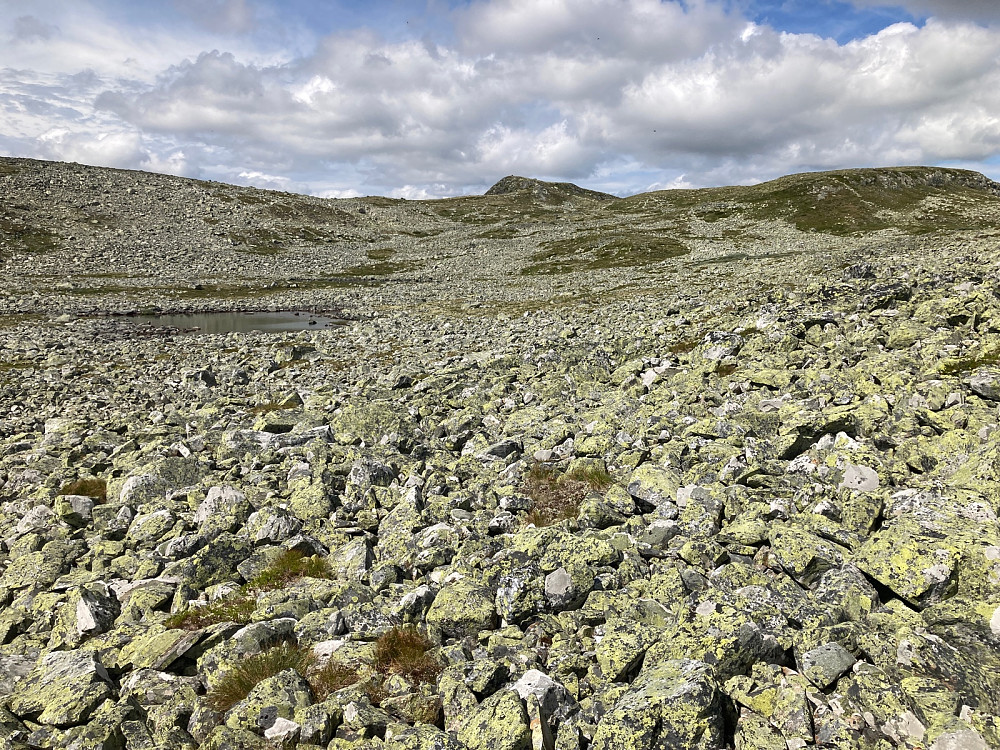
{"type": "Point", "coordinates": [435, 98]}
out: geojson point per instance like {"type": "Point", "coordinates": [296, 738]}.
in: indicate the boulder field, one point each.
{"type": "Point", "coordinates": [757, 513]}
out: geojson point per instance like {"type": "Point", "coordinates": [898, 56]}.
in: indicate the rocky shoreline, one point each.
{"type": "Point", "coordinates": [703, 503]}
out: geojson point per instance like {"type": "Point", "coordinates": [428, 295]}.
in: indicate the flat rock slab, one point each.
{"type": "Point", "coordinates": [63, 689]}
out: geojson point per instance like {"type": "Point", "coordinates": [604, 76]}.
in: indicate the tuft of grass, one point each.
{"type": "Point", "coordinates": [331, 677]}
{"type": "Point", "coordinates": [238, 609]}
{"type": "Point", "coordinates": [290, 566]}
{"type": "Point", "coordinates": [405, 651]}
{"type": "Point", "coordinates": [595, 477]}
{"type": "Point", "coordinates": [236, 684]}
{"type": "Point", "coordinates": [92, 487]}
{"type": "Point", "coordinates": [557, 496]}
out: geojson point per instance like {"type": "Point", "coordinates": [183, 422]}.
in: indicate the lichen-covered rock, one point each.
{"type": "Point", "coordinates": [499, 723]}
{"type": "Point", "coordinates": [804, 555]}
{"type": "Point", "coordinates": [653, 485]}
{"type": "Point", "coordinates": [88, 610]}
{"type": "Point", "coordinates": [421, 737]}
{"type": "Point", "coordinates": [271, 525]}
{"type": "Point", "coordinates": [223, 509]}
{"type": "Point", "coordinates": [824, 664]}
{"type": "Point", "coordinates": [227, 738]}
{"type": "Point", "coordinates": [553, 698]}
{"type": "Point", "coordinates": [63, 689]}
{"type": "Point", "coordinates": [462, 608]}
{"type": "Point", "coordinates": [274, 698]}
{"type": "Point", "coordinates": [775, 696]}
{"type": "Point", "coordinates": [674, 704]}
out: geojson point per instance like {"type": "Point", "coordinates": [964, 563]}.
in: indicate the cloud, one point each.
{"type": "Point", "coordinates": [621, 95]}
{"type": "Point", "coordinates": [28, 28]}
{"type": "Point", "coordinates": [224, 16]}
{"type": "Point", "coordinates": [979, 11]}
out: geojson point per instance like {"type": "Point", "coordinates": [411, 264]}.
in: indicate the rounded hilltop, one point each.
{"type": "Point", "coordinates": [550, 192]}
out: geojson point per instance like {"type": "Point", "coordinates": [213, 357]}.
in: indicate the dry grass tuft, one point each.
{"type": "Point", "coordinates": [405, 651]}
{"type": "Point", "coordinates": [237, 683]}
{"type": "Point", "coordinates": [558, 496]}
{"type": "Point", "coordinates": [92, 487]}
{"type": "Point", "coordinates": [288, 567]}
{"type": "Point", "coordinates": [331, 677]}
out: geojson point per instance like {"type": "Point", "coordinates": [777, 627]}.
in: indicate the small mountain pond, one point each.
{"type": "Point", "coordinates": [240, 322]}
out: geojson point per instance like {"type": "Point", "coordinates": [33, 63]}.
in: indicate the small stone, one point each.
{"type": "Point", "coordinates": [824, 665]}
{"type": "Point", "coordinates": [859, 478]}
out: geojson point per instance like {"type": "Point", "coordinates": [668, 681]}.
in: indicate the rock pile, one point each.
{"type": "Point", "coordinates": [762, 520]}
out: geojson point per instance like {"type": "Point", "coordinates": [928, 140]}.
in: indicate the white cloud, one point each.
{"type": "Point", "coordinates": [116, 149]}
{"type": "Point", "coordinates": [621, 95]}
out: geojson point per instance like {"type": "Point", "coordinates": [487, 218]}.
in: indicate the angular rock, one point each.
{"type": "Point", "coordinates": [499, 723]}
{"type": "Point", "coordinates": [63, 689]}
{"type": "Point", "coordinates": [674, 704]}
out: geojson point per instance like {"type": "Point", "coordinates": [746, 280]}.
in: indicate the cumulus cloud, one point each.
{"type": "Point", "coordinates": [621, 95]}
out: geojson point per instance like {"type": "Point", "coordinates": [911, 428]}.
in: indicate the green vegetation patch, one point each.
{"type": "Point", "coordinates": [257, 242]}
{"type": "Point", "coordinates": [382, 268]}
{"type": "Point", "coordinates": [916, 200]}
{"type": "Point", "coordinates": [611, 249]}
{"type": "Point", "coordinates": [24, 237]}
{"type": "Point", "coordinates": [290, 566]}
{"type": "Point", "coordinates": [238, 607]}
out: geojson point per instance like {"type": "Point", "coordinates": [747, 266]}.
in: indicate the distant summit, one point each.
{"type": "Point", "coordinates": [547, 192]}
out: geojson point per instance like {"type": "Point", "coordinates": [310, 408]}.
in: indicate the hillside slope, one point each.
{"type": "Point", "coordinates": [694, 469]}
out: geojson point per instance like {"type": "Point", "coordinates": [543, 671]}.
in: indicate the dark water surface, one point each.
{"type": "Point", "coordinates": [240, 322]}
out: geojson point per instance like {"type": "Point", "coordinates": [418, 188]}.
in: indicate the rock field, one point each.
{"type": "Point", "coordinates": [689, 469]}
